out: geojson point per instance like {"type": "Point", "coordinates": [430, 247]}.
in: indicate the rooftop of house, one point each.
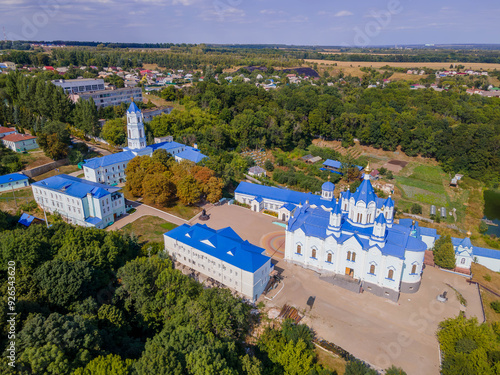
{"type": "Point", "coordinates": [18, 137]}
{"type": "Point", "coordinates": [12, 177]}
{"type": "Point", "coordinates": [4, 130]}
{"type": "Point", "coordinates": [191, 154]}
{"type": "Point", "coordinates": [75, 187]}
{"type": "Point", "coordinates": [223, 244]}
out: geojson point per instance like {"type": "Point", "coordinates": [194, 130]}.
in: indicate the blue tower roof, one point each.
{"type": "Point", "coordinates": [365, 192]}
{"type": "Point", "coordinates": [389, 202]}
{"type": "Point", "coordinates": [466, 243]}
{"type": "Point", "coordinates": [337, 209]}
{"type": "Point", "coordinates": [381, 219]}
{"type": "Point", "coordinates": [328, 186]}
{"type": "Point", "coordinates": [133, 108]}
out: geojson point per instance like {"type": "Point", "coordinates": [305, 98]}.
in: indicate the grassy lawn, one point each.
{"type": "Point", "coordinates": [479, 273]}
{"type": "Point", "coordinates": [429, 173]}
{"type": "Point", "coordinates": [181, 210]}
{"type": "Point", "coordinates": [491, 315]}
{"type": "Point", "coordinates": [331, 361]}
{"type": "Point", "coordinates": [34, 159]}
{"type": "Point", "coordinates": [65, 169]}
{"type": "Point", "coordinates": [149, 228]}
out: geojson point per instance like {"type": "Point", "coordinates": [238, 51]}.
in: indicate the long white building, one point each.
{"type": "Point", "coordinates": [222, 255]}
{"type": "Point", "coordinates": [75, 86]}
{"type": "Point", "coordinates": [79, 201]}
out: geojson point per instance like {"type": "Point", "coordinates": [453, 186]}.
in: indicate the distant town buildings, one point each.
{"type": "Point", "coordinates": [221, 255]}
{"type": "Point", "coordinates": [79, 201]}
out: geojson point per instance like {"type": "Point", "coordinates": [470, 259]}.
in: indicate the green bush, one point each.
{"type": "Point", "coordinates": [487, 277]}
{"type": "Point", "coordinates": [495, 305]}
{"type": "Point", "coordinates": [416, 209]}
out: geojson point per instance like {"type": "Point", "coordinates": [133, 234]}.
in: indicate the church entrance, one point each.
{"type": "Point", "coordinates": [255, 208]}
{"type": "Point", "coordinates": [283, 217]}
{"type": "Point", "coordinates": [349, 272]}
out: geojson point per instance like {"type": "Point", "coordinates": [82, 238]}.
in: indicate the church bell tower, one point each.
{"type": "Point", "coordinates": [135, 128]}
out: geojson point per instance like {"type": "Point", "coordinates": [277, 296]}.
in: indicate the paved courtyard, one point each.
{"type": "Point", "coordinates": [249, 225]}
{"type": "Point", "coordinates": [375, 329]}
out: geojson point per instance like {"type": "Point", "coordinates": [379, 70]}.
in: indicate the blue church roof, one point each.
{"type": "Point", "coordinates": [104, 161]}
{"type": "Point", "coordinates": [5, 179]}
{"type": "Point", "coordinates": [281, 195]}
{"type": "Point", "coordinates": [133, 108]}
{"type": "Point", "coordinates": [487, 253]}
{"type": "Point", "coordinates": [365, 192]}
{"type": "Point", "coordinates": [226, 245]}
{"type": "Point", "coordinates": [328, 186]}
{"type": "Point", "coordinates": [191, 154]}
{"type": "Point", "coordinates": [381, 219]}
{"type": "Point", "coordinates": [75, 187]}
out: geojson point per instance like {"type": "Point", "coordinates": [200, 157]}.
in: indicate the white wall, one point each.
{"type": "Point", "coordinates": [14, 184]}
{"type": "Point", "coordinates": [490, 263]}
{"type": "Point", "coordinates": [244, 282]}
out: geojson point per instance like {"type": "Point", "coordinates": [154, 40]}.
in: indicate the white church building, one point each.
{"type": "Point", "coordinates": [353, 242]}
{"type": "Point", "coordinates": [110, 169]}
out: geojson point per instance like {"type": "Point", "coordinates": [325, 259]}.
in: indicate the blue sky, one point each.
{"type": "Point", "coordinates": [312, 22]}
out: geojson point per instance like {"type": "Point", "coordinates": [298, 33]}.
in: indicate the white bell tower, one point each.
{"type": "Point", "coordinates": [135, 128]}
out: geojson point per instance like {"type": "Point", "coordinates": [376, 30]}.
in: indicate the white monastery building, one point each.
{"type": "Point", "coordinates": [110, 169]}
{"type": "Point", "coordinates": [222, 255]}
{"type": "Point", "coordinates": [79, 201]}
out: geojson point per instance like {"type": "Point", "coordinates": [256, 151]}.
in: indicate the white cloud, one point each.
{"type": "Point", "coordinates": [343, 13]}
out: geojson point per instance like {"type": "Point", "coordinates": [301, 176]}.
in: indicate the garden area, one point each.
{"type": "Point", "coordinates": [148, 229]}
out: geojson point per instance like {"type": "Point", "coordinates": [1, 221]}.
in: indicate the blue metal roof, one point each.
{"type": "Point", "coordinates": [332, 163]}
{"type": "Point", "coordinates": [487, 253]}
{"type": "Point", "coordinates": [133, 108]}
{"type": "Point", "coordinates": [227, 245]}
{"type": "Point", "coordinates": [365, 192]}
{"type": "Point", "coordinates": [27, 219]}
{"type": "Point", "coordinates": [381, 219]}
{"type": "Point", "coordinates": [389, 202]}
{"type": "Point", "coordinates": [191, 154]}
{"type": "Point", "coordinates": [281, 195]}
{"type": "Point", "coordinates": [166, 145]}
{"type": "Point", "coordinates": [104, 161]}
{"type": "Point", "coordinates": [5, 179]}
{"type": "Point", "coordinates": [328, 186]}
{"type": "Point", "coordinates": [93, 220]}
{"type": "Point", "coordinates": [75, 187]}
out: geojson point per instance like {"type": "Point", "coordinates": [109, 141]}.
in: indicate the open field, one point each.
{"type": "Point", "coordinates": [331, 361]}
{"type": "Point", "coordinates": [65, 169]}
{"type": "Point", "coordinates": [34, 159]}
{"type": "Point", "coordinates": [159, 102]}
{"type": "Point", "coordinates": [378, 65]}
{"type": "Point", "coordinates": [149, 228]}
{"type": "Point", "coordinates": [491, 315]}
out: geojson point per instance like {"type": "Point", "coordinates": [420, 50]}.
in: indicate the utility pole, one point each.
{"type": "Point", "coordinates": [14, 194]}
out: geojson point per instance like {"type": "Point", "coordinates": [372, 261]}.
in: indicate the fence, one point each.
{"type": "Point", "coordinates": [37, 171]}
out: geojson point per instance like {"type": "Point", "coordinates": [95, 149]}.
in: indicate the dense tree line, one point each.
{"type": "Point", "coordinates": [86, 304]}
{"type": "Point", "coordinates": [459, 130]}
{"type": "Point", "coordinates": [9, 160]}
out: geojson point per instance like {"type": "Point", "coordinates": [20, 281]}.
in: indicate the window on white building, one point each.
{"type": "Point", "coordinates": [390, 275]}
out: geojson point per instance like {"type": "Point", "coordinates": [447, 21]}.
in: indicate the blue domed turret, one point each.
{"type": "Point", "coordinates": [327, 190]}
{"type": "Point", "coordinates": [328, 186]}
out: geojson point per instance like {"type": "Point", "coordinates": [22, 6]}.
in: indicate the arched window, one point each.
{"type": "Point", "coordinates": [348, 255]}
{"type": "Point", "coordinates": [353, 257]}
{"type": "Point", "coordinates": [329, 258]}
{"type": "Point", "coordinates": [313, 253]}
{"type": "Point", "coordinates": [372, 269]}
{"type": "Point", "coordinates": [299, 249]}
{"type": "Point", "coordinates": [462, 261]}
{"type": "Point", "coordinates": [390, 275]}
{"type": "Point", "coordinates": [414, 269]}
{"type": "Point", "coordinates": [129, 134]}
{"type": "Point", "coordinates": [359, 218]}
